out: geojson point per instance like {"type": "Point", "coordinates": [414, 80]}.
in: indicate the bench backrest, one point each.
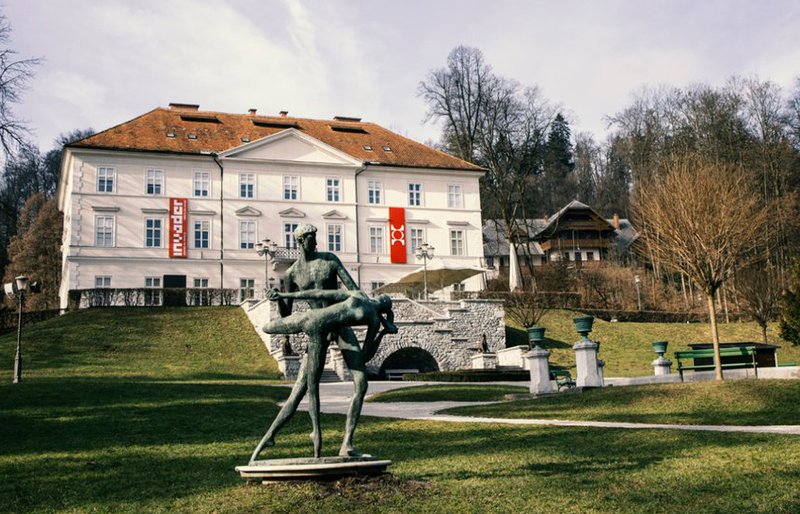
{"type": "Point", "coordinates": [709, 352]}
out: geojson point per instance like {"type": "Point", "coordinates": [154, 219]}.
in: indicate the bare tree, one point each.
{"type": "Point", "coordinates": [14, 77]}
{"type": "Point", "coordinates": [703, 219]}
{"type": "Point", "coordinates": [760, 294]}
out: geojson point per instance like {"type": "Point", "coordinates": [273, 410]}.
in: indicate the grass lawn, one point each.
{"type": "Point", "coordinates": [448, 393]}
{"type": "Point", "coordinates": [117, 414]}
{"type": "Point", "coordinates": [626, 346]}
{"type": "Point", "coordinates": [739, 402]}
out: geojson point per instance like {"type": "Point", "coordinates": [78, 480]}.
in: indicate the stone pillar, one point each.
{"type": "Point", "coordinates": [662, 366]}
{"type": "Point", "coordinates": [289, 365]}
{"type": "Point", "coordinates": [589, 374]}
{"type": "Point", "coordinates": [539, 370]}
{"type": "Point", "coordinates": [484, 361]}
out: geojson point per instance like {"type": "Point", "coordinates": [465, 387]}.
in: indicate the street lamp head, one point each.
{"type": "Point", "coordinates": [22, 282]}
{"type": "Point", "coordinates": [10, 288]}
{"type": "Point", "coordinates": [273, 246]}
{"type": "Point", "coordinates": [425, 251]}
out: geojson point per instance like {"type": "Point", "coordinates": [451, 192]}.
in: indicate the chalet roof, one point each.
{"type": "Point", "coordinates": [184, 130]}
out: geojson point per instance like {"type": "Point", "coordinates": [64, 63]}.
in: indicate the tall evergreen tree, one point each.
{"type": "Point", "coordinates": [557, 184]}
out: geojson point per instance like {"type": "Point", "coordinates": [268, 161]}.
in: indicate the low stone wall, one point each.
{"type": "Point", "coordinates": [450, 331]}
{"type": "Point", "coordinates": [513, 357]}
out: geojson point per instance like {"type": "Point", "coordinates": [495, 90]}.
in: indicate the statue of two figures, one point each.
{"type": "Point", "coordinates": [314, 277]}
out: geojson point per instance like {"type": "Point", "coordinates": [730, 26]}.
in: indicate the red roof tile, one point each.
{"type": "Point", "coordinates": [218, 132]}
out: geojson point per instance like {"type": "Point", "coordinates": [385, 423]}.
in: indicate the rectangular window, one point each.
{"type": "Point", "coordinates": [288, 235]}
{"type": "Point", "coordinates": [106, 179]}
{"type": "Point", "coordinates": [291, 186]}
{"type": "Point", "coordinates": [376, 240]}
{"type": "Point", "coordinates": [104, 231]}
{"type": "Point", "coordinates": [456, 242]}
{"type": "Point", "coordinates": [460, 287]}
{"type": "Point", "coordinates": [417, 237]}
{"type": "Point", "coordinates": [414, 195]}
{"type": "Point", "coordinates": [455, 199]}
{"type": "Point", "coordinates": [333, 193]}
{"type": "Point", "coordinates": [334, 238]}
{"type": "Point", "coordinates": [102, 281]}
{"type": "Point", "coordinates": [202, 229]}
{"type": "Point", "coordinates": [202, 184]}
{"type": "Point", "coordinates": [589, 256]}
{"type": "Point", "coordinates": [200, 295]}
{"type": "Point", "coordinates": [374, 189]}
{"type": "Point", "coordinates": [247, 234]}
{"type": "Point", "coordinates": [376, 284]}
{"type": "Point", "coordinates": [154, 182]}
{"type": "Point", "coordinates": [152, 233]}
{"type": "Point", "coordinates": [247, 184]}
{"type": "Point", "coordinates": [152, 298]}
{"type": "Point", "coordinates": [247, 288]}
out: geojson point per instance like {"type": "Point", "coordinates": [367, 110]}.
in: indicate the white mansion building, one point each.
{"type": "Point", "coordinates": [179, 197]}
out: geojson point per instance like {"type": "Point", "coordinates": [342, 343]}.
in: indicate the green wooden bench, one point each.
{"type": "Point", "coordinates": [743, 351]}
{"type": "Point", "coordinates": [563, 378]}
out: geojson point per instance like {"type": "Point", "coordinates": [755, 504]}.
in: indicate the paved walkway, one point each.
{"type": "Point", "coordinates": [335, 398]}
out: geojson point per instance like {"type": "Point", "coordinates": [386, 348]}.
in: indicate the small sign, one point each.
{"type": "Point", "coordinates": [397, 234]}
{"type": "Point", "coordinates": [178, 211]}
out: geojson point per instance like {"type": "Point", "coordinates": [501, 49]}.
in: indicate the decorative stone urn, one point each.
{"type": "Point", "coordinates": [583, 325]}
{"type": "Point", "coordinates": [535, 336]}
{"type": "Point", "coordinates": [660, 347]}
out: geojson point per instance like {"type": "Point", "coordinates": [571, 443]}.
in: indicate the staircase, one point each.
{"type": "Point", "coordinates": [329, 375]}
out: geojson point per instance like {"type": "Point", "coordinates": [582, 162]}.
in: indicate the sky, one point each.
{"type": "Point", "coordinates": [107, 61]}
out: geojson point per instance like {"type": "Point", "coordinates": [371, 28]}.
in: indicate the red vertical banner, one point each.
{"type": "Point", "coordinates": [178, 216]}
{"type": "Point", "coordinates": [397, 234]}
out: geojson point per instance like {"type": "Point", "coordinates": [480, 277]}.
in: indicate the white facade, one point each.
{"type": "Point", "coordinates": [116, 213]}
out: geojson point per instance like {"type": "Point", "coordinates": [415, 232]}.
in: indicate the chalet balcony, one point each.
{"type": "Point", "coordinates": [575, 244]}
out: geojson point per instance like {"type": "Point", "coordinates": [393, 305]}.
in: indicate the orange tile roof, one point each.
{"type": "Point", "coordinates": [218, 131]}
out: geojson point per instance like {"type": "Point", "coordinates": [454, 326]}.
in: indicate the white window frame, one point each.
{"type": "Point", "coordinates": [291, 188]}
{"type": "Point", "coordinates": [331, 231]}
{"type": "Point", "coordinates": [374, 192]}
{"type": "Point", "coordinates": [415, 194]}
{"type": "Point", "coordinates": [152, 298]}
{"type": "Point", "coordinates": [247, 288]}
{"type": "Point", "coordinates": [377, 239]}
{"type": "Point", "coordinates": [289, 240]}
{"type": "Point", "coordinates": [412, 240]}
{"type": "Point", "coordinates": [457, 242]}
{"type": "Point", "coordinates": [195, 221]}
{"type": "Point", "coordinates": [200, 295]}
{"type": "Point", "coordinates": [106, 243]}
{"type": "Point", "coordinates": [455, 196]}
{"type": "Point", "coordinates": [201, 178]}
{"type": "Point", "coordinates": [154, 177]}
{"type": "Point", "coordinates": [247, 185]}
{"type": "Point", "coordinates": [160, 232]}
{"type": "Point", "coordinates": [102, 281]}
{"type": "Point", "coordinates": [333, 189]}
{"type": "Point", "coordinates": [107, 172]}
{"type": "Point", "coordinates": [247, 234]}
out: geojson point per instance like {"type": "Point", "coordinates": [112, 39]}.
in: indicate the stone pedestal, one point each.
{"type": "Point", "coordinates": [662, 366]}
{"type": "Point", "coordinates": [289, 365]}
{"type": "Point", "coordinates": [540, 371]}
{"type": "Point", "coordinates": [484, 361]}
{"type": "Point", "coordinates": [304, 469]}
{"type": "Point", "coordinates": [589, 373]}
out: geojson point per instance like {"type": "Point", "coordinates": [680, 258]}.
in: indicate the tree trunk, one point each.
{"type": "Point", "coordinates": [764, 333]}
{"type": "Point", "coordinates": [712, 317]}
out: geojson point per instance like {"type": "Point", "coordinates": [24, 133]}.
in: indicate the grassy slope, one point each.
{"type": "Point", "coordinates": [203, 342]}
{"type": "Point", "coordinates": [626, 349]}
{"type": "Point", "coordinates": [94, 427]}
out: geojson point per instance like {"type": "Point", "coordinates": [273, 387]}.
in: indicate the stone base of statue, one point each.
{"type": "Point", "coordinates": [310, 468]}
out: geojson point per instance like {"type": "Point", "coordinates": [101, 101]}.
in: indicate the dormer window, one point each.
{"type": "Point", "coordinates": [368, 148]}
{"type": "Point", "coordinates": [387, 148]}
{"type": "Point", "coordinates": [170, 134]}
{"type": "Point", "coordinates": [192, 135]}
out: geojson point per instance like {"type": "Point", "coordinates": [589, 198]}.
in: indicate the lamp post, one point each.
{"type": "Point", "coordinates": [638, 281]}
{"type": "Point", "coordinates": [267, 249]}
{"type": "Point", "coordinates": [17, 290]}
{"type": "Point", "coordinates": [425, 252]}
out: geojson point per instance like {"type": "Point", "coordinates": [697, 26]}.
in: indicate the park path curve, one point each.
{"type": "Point", "coordinates": [335, 399]}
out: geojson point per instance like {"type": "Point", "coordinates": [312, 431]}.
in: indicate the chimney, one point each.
{"type": "Point", "coordinates": [616, 221]}
{"type": "Point", "coordinates": [251, 111]}
{"type": "Point", "coordinates": [184, 107]}
{"type": "Point", "coordinates": [284, 114]}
